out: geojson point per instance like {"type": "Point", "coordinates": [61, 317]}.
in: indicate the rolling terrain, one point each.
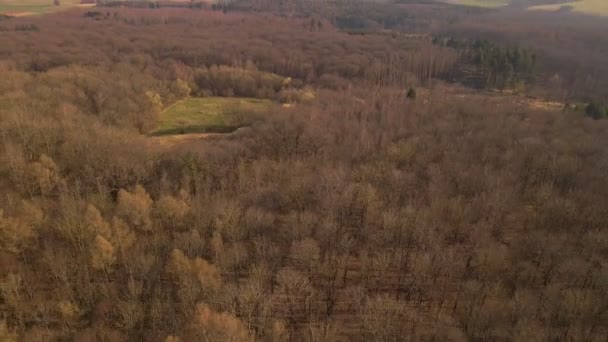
{"type": "Point", "coordinates": [269, 171]}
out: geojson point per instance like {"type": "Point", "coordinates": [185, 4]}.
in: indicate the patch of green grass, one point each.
{"type": "Point", "coordinates": [479, 3]}
{"type": "Point", "coordinates": [209, 115]}
{"type": "Point", "coordinates": [590, 7]}
{"type": "Point", "coordinates": [34, 7]}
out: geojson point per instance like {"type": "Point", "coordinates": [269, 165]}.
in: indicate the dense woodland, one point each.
{"type": "Point", "coordinates": [385, 207]}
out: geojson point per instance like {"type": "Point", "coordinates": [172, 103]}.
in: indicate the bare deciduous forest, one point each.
{"type": "Point", "coordinates": [413, 171]}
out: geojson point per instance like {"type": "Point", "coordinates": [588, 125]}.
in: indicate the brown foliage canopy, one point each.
{"type": "Point", "coordinates": [357, 215]}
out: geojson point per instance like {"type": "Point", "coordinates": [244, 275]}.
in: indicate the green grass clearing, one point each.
{"type": "Point", "coordinates": [209, 115]}
{"type": "Point", "coordinates": [34, 7]}
{"type": "Point", "coordinates": [479, 3]}
{"type": "Point", "coordinates": [591, 7]}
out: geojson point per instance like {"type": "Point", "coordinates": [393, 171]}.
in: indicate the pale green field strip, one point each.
{"type": "Point", "coordinates": [479, 3]}
{"type": "Point", "coordinates": [34, 7]}
{"type": "Point", "coordinates": [590, 7]}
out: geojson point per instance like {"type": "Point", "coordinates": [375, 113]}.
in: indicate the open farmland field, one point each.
{"type": "Point", "coordinates": [591, 7]}
{"type": "Point", "coordinates": [479, 3]}
{"type": "Point", "coordinates": [19, 8]}
{"type": "Point", "coordinates": [209, 115]}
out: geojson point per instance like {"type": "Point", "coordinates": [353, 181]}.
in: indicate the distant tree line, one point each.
{"type": "Point", "coordinates": [153, 4]}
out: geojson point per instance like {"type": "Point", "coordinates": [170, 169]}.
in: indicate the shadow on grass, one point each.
{"type": "Point", "coordinates": [196, 129]}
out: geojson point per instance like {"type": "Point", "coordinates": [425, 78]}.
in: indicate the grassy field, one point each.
{"type": "Point", "coordinates": [34, 7]}
{"type": "Point", "coordinates": [479, 3]}
{"type": "Point", "coordinates": [591, 7]}
{"type": "Point", "coordinates": [209, 115]}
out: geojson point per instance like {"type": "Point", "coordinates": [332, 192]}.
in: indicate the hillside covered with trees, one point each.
{"type": "Point", "coordinates": [370, 196]}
